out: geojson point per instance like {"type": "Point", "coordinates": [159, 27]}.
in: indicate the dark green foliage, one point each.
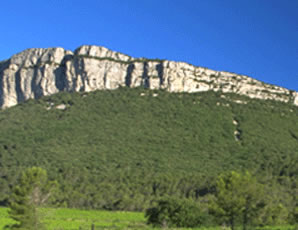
{"type": "Point", "coordinates": [33, 191]}
{"type": "Point", "coordinates": [121, 150]}
{"type": "Point", "coordinates": [239, 199]}
{"type": "Point", "coordinates": [172, 212]}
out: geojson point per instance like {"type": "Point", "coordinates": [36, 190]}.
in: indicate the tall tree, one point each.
{"type": "Point", "coordinates": [253, 193]}
{"type": "Point", "coordinates": [237, 198]}
{"type": "Point", "coordinates": [33, 191]}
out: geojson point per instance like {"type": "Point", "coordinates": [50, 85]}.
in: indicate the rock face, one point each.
{"type": "Point", "coordinates": [39, 72]}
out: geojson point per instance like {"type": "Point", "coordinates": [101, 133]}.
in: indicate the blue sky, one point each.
{"type": "Point", "coordinates": [258, 38]}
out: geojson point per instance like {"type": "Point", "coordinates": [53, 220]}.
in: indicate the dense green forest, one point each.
{"type": "Point", "coordinates": [125, 149]}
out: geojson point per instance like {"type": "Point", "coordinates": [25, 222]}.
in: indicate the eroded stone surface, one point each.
{"type": "Point", "coordinates": [38, 72]}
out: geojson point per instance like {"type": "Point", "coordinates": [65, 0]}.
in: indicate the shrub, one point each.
{"type": "Point", "coordinates": [173, 212]}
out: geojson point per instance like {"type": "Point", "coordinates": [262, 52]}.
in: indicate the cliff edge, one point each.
{"type": "Point", "coordinates": [39, 72]}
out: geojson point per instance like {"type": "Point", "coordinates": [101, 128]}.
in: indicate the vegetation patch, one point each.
{"type": "Point", "coordinates": [116, 150]}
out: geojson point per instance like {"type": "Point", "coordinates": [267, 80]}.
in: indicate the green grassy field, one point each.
{"type": "Point", "coordinates": [74, 219]}
{"type": "Point", "coordinates": [58, 219]}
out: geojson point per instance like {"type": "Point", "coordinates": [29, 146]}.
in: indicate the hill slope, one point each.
{"type": "Point", "coordinates": [121, 149]}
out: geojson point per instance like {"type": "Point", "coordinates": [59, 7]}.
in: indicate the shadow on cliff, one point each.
{"type": "Point", "coordinates": [128, 76]}
{"type": "Point", "coordinates": [159, 68]}
{"type": "Point", "coordinates": [19, 92]}
{"type": "Point", "coordinates": [59, 78]}
{"type": "Point", "coordinates": [145, 77]}
{"type": "Point", "coordinates": [60, 73]}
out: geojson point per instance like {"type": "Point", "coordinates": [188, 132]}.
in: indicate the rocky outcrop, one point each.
{"type": "Point", "coordinates": [39, 72]}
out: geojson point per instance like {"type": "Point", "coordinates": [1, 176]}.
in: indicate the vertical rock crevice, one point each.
{"type": "Point", "coordinates": [60, 78]}
{"type": "Point", "coordinates": [145, 77]}
{"type": "Point", "coordinates": [60, 73]}
{"type": "Point", "coordinates": [129, 72]}
{"type": "Point", "coordinates": [18, 87]}
{"type": "Point", "coordinates": [78, 76]}
{"type": "Point", "coordinates": [160, 69]}
{"type": "Point", "coordinates": [35, 84]}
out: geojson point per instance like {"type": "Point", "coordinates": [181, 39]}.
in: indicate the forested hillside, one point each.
{"type": "Point", "coordinates": [125, 148]}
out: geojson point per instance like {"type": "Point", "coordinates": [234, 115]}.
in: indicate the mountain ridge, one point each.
{"type": "Point", "coordinates": [38, 72]}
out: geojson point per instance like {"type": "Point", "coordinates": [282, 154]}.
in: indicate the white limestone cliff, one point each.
{"type": "Point", "coordinates": [39, 72]}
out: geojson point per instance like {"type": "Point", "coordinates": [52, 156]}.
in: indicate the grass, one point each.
{"type": "Point", "coordinates": [4, 218]}
{"type": "Point", "coordinates": [67, 219]}
{"type": "Point", "coordinates": [74, 219]}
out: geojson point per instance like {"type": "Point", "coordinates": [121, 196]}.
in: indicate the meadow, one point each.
{"type": "Point", "coordinates": [75, 219]}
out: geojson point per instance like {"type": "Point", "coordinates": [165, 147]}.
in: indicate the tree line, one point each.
{"type": "Point", "coordinates": [237, 199]}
